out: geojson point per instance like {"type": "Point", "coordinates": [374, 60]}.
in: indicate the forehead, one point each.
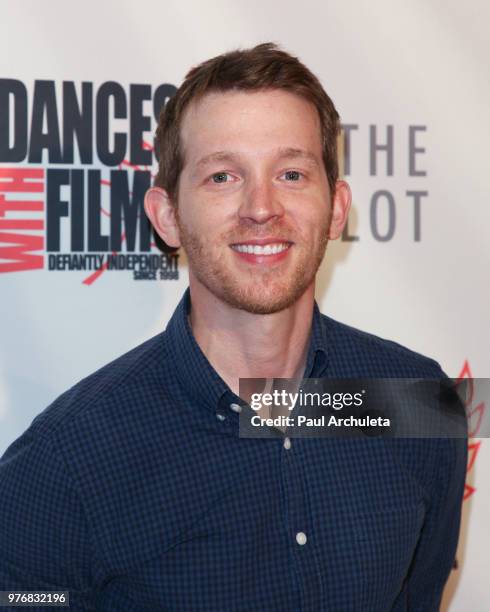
{"type": "Point", "coordinates": [250, 123]}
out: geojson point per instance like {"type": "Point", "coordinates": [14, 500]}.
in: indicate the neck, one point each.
{"type": "Point", "coordinates": [240, 344]}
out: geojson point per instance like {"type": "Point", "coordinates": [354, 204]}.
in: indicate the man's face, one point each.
{"type": "Point", "coordinates": [254, 204]}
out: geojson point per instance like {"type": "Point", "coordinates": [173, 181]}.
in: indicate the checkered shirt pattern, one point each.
{"type": "Point", "coordinates": [134, 491]}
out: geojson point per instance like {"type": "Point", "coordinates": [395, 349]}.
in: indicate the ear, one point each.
{"type": "Point", "coordinates": [161, 212]}
{"type": "Point", "coordinates": [341, 202]}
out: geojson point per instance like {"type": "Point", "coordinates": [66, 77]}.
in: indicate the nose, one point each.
{"type": "Point", "coordinates": [260, 202]}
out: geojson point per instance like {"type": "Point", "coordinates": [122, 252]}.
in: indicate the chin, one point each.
{"type": "Point", "coordinates": [261, 302]}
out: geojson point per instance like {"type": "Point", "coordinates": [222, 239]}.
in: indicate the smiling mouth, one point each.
{"type": "Point", "coordinates": [272, 248]}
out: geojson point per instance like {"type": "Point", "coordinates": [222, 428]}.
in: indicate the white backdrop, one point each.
{"type": "Point", "coordinates": [395, 70]}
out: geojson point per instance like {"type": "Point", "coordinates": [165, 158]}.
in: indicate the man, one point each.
{"type": "Point", "coordinates": [134, 491]}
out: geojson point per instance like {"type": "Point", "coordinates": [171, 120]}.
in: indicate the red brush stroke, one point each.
{"type": "Point", "coordinates": [95, 275]}
{"type": "Point", "coordinates": [479, 412]}
{"type": "Point", "coordinates": [473, 413]}
{"type": "Point", "coordinates": [98, 273]}
{"type": "Point", "coordinates": [468, 491]}
{"type": "Point", "coordinates": [473, 449]}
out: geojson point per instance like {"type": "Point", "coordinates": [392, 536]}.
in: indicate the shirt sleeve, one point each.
{"type": "Point", "coordinates": [44, 540]}
{"type": "Point", "coordinates": [436, 550]}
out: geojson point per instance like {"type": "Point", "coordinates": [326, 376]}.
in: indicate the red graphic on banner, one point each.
{"type": "Point", "coordinates": [95, 275]}
{"type": "Point", "coordinates": [98, 273]}
{"type": "Point", "coordinates": [475, 416]}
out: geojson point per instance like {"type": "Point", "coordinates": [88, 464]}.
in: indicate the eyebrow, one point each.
{"type": "Point", "coordinates": [282, 153]}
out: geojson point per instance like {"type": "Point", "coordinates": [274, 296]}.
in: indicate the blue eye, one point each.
{"type": "Point", "coordinates": [220, 177]}
{"type": "Point", "coordinates": [292, 175]}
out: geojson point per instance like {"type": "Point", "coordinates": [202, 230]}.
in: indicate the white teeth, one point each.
{"type": "Point", "coordinates": [256, 249]}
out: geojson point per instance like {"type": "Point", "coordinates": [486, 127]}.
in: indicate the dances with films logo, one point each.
{"type": "Point", "coordinates": [74, 168]}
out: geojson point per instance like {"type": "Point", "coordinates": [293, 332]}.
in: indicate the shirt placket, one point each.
{"type": "Point", "coordinates": [300, 532]}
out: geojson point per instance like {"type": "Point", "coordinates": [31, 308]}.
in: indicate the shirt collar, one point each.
{"type": "Point", "coordinates": [317, 357]}
{"type": "Point", "coordinates": [199, 377]}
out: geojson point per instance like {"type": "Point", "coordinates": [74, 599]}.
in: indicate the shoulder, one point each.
{"type": "Point", "coordinates": [432, 462]}
{"type": "Point", "coordinates": [94, 448]}
{"type": "Point", "coordinates": [359, 353]}
{"type": "Point", "coordinates": [109, 390]}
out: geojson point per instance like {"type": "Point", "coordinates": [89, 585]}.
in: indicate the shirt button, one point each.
{"type": "Point", "coordinates": [287, 443]}
{"type": "Point", "coordinates": [301, 538]}
{"type": "Point", "coordinates": [220, 417]}
{"type": "Point", "coordinates": [236, 407]}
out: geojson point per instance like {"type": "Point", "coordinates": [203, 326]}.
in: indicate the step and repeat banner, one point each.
{"type": "Point", "coordinates": [83, 280]}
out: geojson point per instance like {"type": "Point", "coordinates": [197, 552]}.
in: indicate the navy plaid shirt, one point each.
{"type": "Point", "coordinates": [134, 492]}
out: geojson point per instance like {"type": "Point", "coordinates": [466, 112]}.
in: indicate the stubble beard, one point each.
{"type": "Point", "coordinates": [256, 291]}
